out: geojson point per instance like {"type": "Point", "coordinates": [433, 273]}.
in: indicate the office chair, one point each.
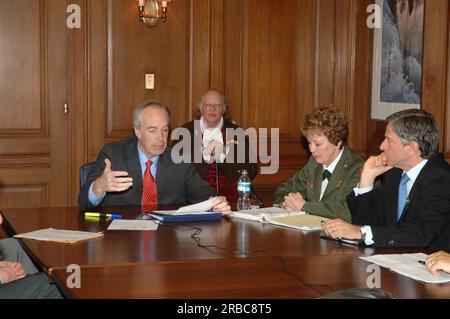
{"type": "Point", "coordinates": [85, 170]}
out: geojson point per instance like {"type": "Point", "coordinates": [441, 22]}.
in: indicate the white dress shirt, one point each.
{"type": "Point", "coordinates": [329, 168]}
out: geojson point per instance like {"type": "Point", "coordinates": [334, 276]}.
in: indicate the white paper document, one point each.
{"type": "Point", "coordinates": [282, 217]}
{"type": "Point", "coordinates": [130, 224]}
{"type": "Point", "coordinates": [303, 221]}
{"type": "Point", "coordinates": [59, 235]}
{"type": "Point", "coordinates": [199, 208]}
{"type": "Point", "coordinates": [262, 214]}
{"type": "Point", "coordinates": [408, 265]}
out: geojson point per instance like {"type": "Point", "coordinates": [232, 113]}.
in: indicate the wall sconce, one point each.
{"type": "Point", "coordinates": [149, 11]}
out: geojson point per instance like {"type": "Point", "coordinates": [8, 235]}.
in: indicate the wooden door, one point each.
{"type": "Point", "coordinates": [34, 133]}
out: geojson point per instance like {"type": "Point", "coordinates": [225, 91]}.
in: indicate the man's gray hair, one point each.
{"type": "Point", "coordinates": [150, 103]}
{"type": "Point", "coordinates": [416, 125]}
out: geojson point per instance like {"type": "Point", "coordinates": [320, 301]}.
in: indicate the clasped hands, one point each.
{"type": "Point", "coordinates": [214, 150]}
{"type": "Point", "coordinates": [293, 202]}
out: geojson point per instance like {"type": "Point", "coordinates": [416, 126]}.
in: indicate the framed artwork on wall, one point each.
{"type": "Point", "coordinates": [397, 58]}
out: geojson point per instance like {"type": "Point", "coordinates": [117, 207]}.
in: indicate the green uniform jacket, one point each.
{"type": "Point", "coordinates": [308, 182]}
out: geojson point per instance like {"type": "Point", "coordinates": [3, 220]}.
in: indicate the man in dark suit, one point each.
{"type": "Point", "coordinates": [412, 206]}
{"type": "Point", "coordinates": [121, 168]}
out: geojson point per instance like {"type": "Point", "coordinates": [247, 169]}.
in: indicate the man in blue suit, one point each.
{"type": "Point", "coordinates": [411, 208]}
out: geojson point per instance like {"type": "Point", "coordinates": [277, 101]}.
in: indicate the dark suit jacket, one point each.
{"type": "Point", "coordinates": [425, 219]}
{"type": "Point", "coordinates": [176, 183]}
{"type": "Point", "coordinates": [230, 170]}
{"type": "Point", "coordinates": [308, 182]}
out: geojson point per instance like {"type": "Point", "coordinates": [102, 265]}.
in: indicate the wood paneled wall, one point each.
{"type": "Point", "coordinates": [274, 60]}
{"type": "Point", "coordinates": [33, 89]}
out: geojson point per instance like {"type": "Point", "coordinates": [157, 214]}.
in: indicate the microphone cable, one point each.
{"type": "Point", "coordinates": [284, 268]}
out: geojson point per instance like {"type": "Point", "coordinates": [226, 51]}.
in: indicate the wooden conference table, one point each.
{"type": "Point", "coordinates": [242, 259]}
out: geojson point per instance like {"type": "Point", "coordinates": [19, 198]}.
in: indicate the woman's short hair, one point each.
{"type": "Point", "coordinates": [328, 121]}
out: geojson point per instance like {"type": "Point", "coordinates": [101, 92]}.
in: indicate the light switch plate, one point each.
{"type": "Point", "coordinates": [150, 81]}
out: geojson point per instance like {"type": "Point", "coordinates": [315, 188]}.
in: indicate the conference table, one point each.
{"type": "Point", "coordinates": [231, 258]}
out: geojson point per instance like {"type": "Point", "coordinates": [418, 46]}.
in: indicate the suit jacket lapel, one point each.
{"type": "Point", "coordinates": [391, 211]}
{"type": "Point", "coordinates": [134, 168]}
{"type": "Point", "coordinates": [318, 182]}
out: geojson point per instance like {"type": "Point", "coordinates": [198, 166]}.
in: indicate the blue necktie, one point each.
{"type": "Point", "coordinates": [402, 195]}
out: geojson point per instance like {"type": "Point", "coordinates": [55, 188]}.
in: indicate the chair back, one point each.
{"type": "Point", "coordinates": [85, 170]}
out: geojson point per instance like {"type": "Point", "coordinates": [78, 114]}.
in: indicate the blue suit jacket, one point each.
{"type": "Point", "coordinates": [425, 221]}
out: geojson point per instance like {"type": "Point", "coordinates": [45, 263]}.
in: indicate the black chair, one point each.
{"type": "Point", "coordinates": [85, 170]}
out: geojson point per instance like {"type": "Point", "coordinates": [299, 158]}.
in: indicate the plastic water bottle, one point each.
{"type": "Point", "coordinates": [244, 188]}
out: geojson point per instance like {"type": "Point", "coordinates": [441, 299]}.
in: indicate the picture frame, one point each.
{"type": "Point", "coordinates": [397, 58]}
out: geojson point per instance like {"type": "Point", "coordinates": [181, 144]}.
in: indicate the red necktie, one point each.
{"type": "Point", "coordinates": [149, 190]}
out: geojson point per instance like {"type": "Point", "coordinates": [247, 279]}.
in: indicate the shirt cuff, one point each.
{"type": "Point", "coordinates": [360, 191]}
{"type": "Point", "coordinates": [369, 235]}
{"type": "Point", "coordinates": [94, 199]}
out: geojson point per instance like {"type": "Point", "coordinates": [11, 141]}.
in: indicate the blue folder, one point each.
{"type": "Point", "coordinates": [187, 218]}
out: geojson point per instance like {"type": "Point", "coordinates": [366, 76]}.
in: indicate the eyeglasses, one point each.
{"type": "Point", "coordinates": [212, 106]}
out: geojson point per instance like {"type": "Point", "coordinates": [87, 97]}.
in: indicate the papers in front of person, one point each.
{"type": "Point", "coordinates": [409, 265]}
{"type": "Point", "coordinates": [127, 224]}
{"type": "Point", "coordinates": [302, 222]}
{"type": "Point", "coordinates": [262, 214]}
{"type": "Point", "coordinates": [282, 217]}
{"type": "Point", "coordinates": [59, 235]}
{"type": "Point", "coordinates": [199, 208]}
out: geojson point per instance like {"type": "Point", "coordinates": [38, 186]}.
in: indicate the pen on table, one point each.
{"type": "Point", "coordinates": [93, 214]}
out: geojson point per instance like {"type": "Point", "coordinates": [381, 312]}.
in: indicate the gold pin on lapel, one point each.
{"type": "Point", "coordinates": [339, 183]}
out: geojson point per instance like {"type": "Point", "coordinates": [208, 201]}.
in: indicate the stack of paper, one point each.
{"type": "Point", "coordinates": [282, 217]}
{"type": "Point", "coordinates": [262, 214]}
{"type": "Point", "coordinates": [125, 224]}
{"type": "Point", "coordinates": [302, 222]}
{"type": "Point", "coordinates": [199, 208]}
{"type": "Point", "coordinates": [59, 235]}
{"type": "Point", "coordinates": [191, 213]}
{"type": "Point", "coordinates": [408, 265]}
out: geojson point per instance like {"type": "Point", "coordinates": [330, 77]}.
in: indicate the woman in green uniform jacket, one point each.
{"type": "Point", "coordinates": [322, 185]}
